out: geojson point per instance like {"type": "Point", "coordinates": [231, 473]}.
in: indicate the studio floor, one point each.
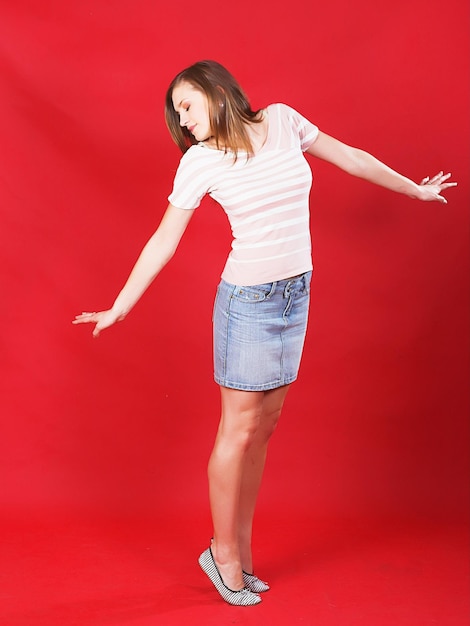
{"type": "Point", "coordinates": [82, 571]}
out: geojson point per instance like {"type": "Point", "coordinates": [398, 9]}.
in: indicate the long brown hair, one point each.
{"type": "Point", "coordinates": [229, 108]}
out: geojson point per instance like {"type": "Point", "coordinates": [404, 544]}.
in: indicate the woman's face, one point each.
{"type": "Point", "coordinates": [193, 109]}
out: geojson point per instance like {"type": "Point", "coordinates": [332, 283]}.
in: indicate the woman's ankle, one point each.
{"type": "Point", "coordinates": [246, 557]}
{"type": "Point", "coordinates": [225, 553]}
{"type": "Point", "coordinates": [229, 566]}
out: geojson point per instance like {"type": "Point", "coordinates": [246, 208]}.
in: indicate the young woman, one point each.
{"type": "Point", "coordinates": [252, 163]}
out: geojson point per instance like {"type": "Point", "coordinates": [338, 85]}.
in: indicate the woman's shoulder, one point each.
{"type": "Point", "coordinates": [198, 152]}
{"type": "Point", "coordinates": [288, 120]}
{"type": "Point", "coordinates": [285, 113]}
{"type": "Point", "coordinates": [281, 107]}
{"type": "Point", "coordinates": [199, 161]}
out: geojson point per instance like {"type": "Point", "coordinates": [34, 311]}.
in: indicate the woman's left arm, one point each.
{"type": "Point", "coordinates": [362, 164]}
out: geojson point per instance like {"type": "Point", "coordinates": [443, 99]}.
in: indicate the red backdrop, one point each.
{"type": "Point", "coordinates": [377, 423]}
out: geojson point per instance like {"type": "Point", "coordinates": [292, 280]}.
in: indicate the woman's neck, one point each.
{"type": "Point", "coordinates": [257, 133]}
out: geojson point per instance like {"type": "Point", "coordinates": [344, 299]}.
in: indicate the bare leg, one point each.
{"type": "Point", "coordinates": [241, 414]}
{"type": "Point", "coordinates": [235, 470]}
{"type": "Point", "coordinates": [253, 470]}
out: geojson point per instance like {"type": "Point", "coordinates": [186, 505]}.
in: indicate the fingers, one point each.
{"type": "Point", "coordinates": [89, 318]}
{"type": "Point", "coordinates": [437, 178]}
{"type": "Point", "coordinates": [436, 185]}
{"type": "Point", "coordinates": [102, 319]}
{"type": "Point", "coordinates": [84, 318]}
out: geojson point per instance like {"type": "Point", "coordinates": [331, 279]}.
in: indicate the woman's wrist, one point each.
{"type": "Point", "coordinates": [413, 190]}
{"type": "Point", "coordinates": [119, 311]}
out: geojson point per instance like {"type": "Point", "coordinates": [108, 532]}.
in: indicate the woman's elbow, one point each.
{"type": "Point", "coordinates": [359, 163]}
{"type": "Point", "coordinates": [363, 165]}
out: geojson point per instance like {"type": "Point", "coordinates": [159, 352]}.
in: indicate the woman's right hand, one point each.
{"type": "Point", "coordinates": [155, 255]}
{"type": "Point", "coordinates": [102, 319]}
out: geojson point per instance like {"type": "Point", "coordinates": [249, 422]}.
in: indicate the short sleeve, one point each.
{"type": "Point", "coordinates": [306, 131]}
{"type": "Point", "coordinates": [191, 181]}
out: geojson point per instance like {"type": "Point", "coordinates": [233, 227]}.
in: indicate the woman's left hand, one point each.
{"type": "Point", "coordinates": [431, 188]}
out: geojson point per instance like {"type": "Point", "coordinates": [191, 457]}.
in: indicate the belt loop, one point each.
{"type": "Point", "coordinates": [272, 290]}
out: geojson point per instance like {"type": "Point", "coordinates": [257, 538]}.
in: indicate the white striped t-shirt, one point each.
{"type": "Point", "coordinates": [266, 198]}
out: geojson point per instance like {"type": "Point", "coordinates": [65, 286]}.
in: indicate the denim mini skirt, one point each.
{"type": "Point", "coordinates": [259, 333]}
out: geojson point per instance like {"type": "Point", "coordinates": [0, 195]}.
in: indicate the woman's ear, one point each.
{"type": "Point", "coordinates": [221, 93]}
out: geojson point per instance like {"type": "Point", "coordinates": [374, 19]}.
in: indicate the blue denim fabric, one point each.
{"type": "Point", "coordinates": [259, 333]}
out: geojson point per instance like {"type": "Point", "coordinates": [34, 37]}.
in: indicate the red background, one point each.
{"type": "Point", "coordinates": [376, 426]}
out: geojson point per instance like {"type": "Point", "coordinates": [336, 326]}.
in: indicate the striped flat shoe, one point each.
{"type": "Point", "coordinates": [243, 597]}
{"type": "Point", "coordinates": [253, 583]}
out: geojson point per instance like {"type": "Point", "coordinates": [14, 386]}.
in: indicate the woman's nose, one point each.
{"type": "Point", "coordinates": [183, 119]}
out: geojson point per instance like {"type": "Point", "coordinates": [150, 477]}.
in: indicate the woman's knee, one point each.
{"type": "Point", "coordinates": [272, 408]}
{"type": "Point", "coordinates": [268, 424]}
{"type": "Point", "coordinates": [249, 417]}
{"type": "Point", "coordinates": [239, 429]}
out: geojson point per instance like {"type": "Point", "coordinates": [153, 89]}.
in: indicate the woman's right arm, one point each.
{"type": "Point", "coordinates": [155, 255]}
